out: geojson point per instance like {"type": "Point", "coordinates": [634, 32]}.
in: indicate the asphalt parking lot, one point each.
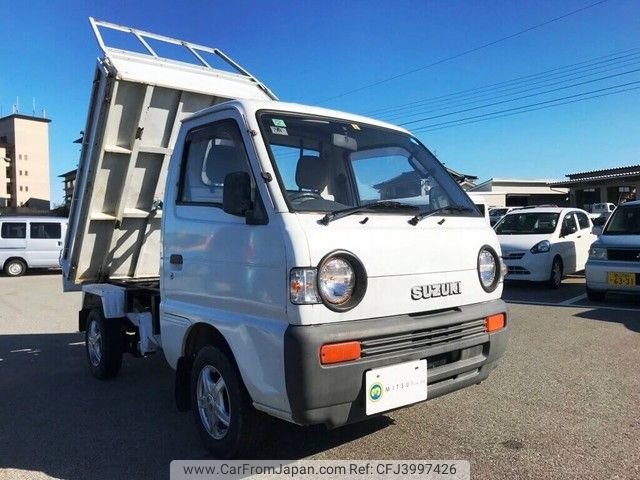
{"type": "Point", "coordinates": [563, 403]}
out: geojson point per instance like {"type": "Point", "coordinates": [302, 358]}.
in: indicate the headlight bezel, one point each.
{"type": "Point", "coordinates": [498, 269]}
{"type": "Point", "coordinates": [603, 250]}
{"type": "Point", "coordinates": [360, 280]}
{"type": "Point", "coordinates": [537, 248]}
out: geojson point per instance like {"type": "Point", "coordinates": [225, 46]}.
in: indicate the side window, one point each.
{"type": "Point", "coordinates": [583, 220]}
{"type": "Point", "coordinates": [13, 230]}
{"type": "Point", "coordinates": [45, 230]}
{"type": "Point", "coordinates": [210, 154]}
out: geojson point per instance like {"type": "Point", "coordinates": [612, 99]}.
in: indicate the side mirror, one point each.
{"type": "Point", "coordinates": [568, 230]}
{"type": "Point", "coordinates": [236, 196]}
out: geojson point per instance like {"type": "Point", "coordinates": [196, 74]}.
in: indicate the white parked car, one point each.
{"type": "Point", "coordinates": [544, 244]}
{"type": "Point", "coordinates": [614, 259]}
{"type": "Point", "coordinates": [600, 212]}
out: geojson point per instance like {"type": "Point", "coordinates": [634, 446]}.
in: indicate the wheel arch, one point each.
{"type": "Point", "coordinates": [16, 257]}
{"type": "Point", "coordinates": [199, 335]}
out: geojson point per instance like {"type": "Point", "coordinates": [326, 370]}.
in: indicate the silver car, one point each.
{"type": "Point", "coordinates": [614, 259]}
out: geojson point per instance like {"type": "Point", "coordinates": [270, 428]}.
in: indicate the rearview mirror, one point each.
{"type": "Point", "coordinates": [344, 141]}
{"type": "Point", "coordinates": [236, 196]}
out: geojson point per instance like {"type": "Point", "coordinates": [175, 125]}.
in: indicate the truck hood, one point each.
{"type": "Point", "coordinates": [622, 241]}
{"type": "Point", "coordinates": [398, 256]}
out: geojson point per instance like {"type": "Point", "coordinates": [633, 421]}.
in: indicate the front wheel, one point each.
{"type": "Point", "coordinates": [555, 279]}
{"type": "Point", "coordinates": [224, 415]}
{"type": "Point", "coordinates": [103, 340]}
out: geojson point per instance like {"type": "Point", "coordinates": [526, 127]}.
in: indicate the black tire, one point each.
{"type": "Point", "coordinates": [244, 422]}
{"type": "Point", "coordinates": [595, 295]}
{"type": "Point", "coordinates": [555, 278]}
{"type": "Point", "coordinates": [105, 335]}
{"type": "Point", "coordinates": [15, 267]}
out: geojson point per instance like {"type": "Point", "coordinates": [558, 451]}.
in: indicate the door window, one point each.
{"type": "Point", "coordinates": [13, 230]}
{"type": "Point", "coordinates": [211, 153]}
{"type": "Point", "coordinates": [45, 230]}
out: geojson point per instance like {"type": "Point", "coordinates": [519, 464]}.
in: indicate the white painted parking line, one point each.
{"type": "Point", "coordinates": [574, 299]}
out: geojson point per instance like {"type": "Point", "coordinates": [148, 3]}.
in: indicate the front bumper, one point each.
{"type": "Point", "coordinates": [459, 353]}
{"type": "Point", "coordinates": [533, 267]}
{"type": "Point", "coordinates": [596, 275]}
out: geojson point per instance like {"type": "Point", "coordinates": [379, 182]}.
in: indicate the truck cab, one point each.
{"type": "Point", "coordinates": [310, 264]}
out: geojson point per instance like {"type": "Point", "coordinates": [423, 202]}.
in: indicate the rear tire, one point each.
{"type": "Point", "coordinates": [224, 415]}
{"type": "Point", "coordinates": [15, 267]}
{"type": "Point", "coordinates": [555, 279]}
{"type": "Point", "coordinates": [595, 295]}
{"type": "Point", "coordinates": [103, 343]}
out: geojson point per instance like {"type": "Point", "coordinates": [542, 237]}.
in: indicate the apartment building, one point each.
{"type": "Point", "coordinates": [24, 157]}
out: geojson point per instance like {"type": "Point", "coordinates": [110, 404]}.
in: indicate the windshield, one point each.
{"type": "Point", "coordinates": [624, 221]}
{"type": "Point", "coordinates": [527, 224]}
{"type": "Point", "coordinates": [325, 165]}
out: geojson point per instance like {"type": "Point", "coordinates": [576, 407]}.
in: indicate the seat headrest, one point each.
{"type": "Point", "coordinates": [312, 173]}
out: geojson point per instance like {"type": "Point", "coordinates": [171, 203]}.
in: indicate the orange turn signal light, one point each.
{"type": "Point", "coordinates": [494, 322]}
{"type": "Point", "coordinates": [339, 352]}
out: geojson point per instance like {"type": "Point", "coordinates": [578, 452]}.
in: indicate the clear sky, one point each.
{"type": "Point", "coordinates": [309, 51]}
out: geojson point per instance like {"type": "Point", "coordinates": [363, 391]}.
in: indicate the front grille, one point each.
{"type": "Point", "coordinates": [513, 256]}
{"type": "Point", "coordinates": [428, 337]}
{"type": "Point", "coordinates": [624, 254]}
{"type": "Point", "coordinates": [518, 271]}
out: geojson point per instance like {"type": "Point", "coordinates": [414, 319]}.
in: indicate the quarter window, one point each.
{"type": "Point", "coordinates": [583, 220]}
{"type": "Point", "coordinates": [45, 230]}
{"type": "Point", "coordinates": [13, 230]}
{"type": "Point", "coordinates": [211, 153]}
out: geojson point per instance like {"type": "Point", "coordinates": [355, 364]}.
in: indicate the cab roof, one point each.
{"type": "Point", "coordinates": [250, 107]}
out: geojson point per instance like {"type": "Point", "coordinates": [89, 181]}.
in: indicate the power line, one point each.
{"type": "Point", "coordinates": [529, 110]}
{"type": "Point", "coordinates": [546, 102]}
{"type": "Point", "coordinates": [466, 52]}
{"type": "Point", "coordinates": [521, 97]}
{"type": "Point", "coordinates": [518, 90]}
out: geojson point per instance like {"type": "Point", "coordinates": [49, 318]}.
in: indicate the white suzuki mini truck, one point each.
{"type": "Point", "coordinates": [303, 263]}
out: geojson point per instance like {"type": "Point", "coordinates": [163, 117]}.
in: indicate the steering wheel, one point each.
{"type": "Point", "coordinates": [302, 195]}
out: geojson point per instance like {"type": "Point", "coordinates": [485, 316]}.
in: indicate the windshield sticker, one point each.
{"type": "Point", "coordinates": [355, 127]}
{"type": "Point", "coordinates": [278, 123]}
{"type": "Point", "coordinates": [279, 130]}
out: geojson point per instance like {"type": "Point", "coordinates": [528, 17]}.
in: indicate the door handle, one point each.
{"type": "Point", "coordinates": [59, 244]}
{"type": "Point", "coordinates": [175, 259]}
{"type": "Point", "coordinates": [579, 236]}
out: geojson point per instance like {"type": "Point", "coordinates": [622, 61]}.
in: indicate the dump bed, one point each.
{"type": "Point", "coordinates": [137, 102]}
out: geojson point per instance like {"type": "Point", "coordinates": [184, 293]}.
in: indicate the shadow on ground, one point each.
{"type": "Point", "coordinates": [57, 419]}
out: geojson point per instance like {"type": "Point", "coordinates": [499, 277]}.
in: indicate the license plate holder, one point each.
{"type": "Point", "coordinates": [621, 278]}
{"type": "Point", "coordinates": [395, 386]}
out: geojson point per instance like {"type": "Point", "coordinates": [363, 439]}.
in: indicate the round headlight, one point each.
{"type": "Point", "coordinates": [488, 269]}
{"type": "Point", "coordinates": [336, 280]}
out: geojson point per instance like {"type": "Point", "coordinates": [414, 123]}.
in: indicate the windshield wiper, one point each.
{"type": "Point", "coordinates": [385, 204]}
{"type": "Point", "coordinates": [449, 208]}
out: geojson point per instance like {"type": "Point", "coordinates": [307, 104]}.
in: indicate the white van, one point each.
{"type": "Point", "coordinates": [309, 264]}
{"type": "Point", "coordinates": [30, 242]}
